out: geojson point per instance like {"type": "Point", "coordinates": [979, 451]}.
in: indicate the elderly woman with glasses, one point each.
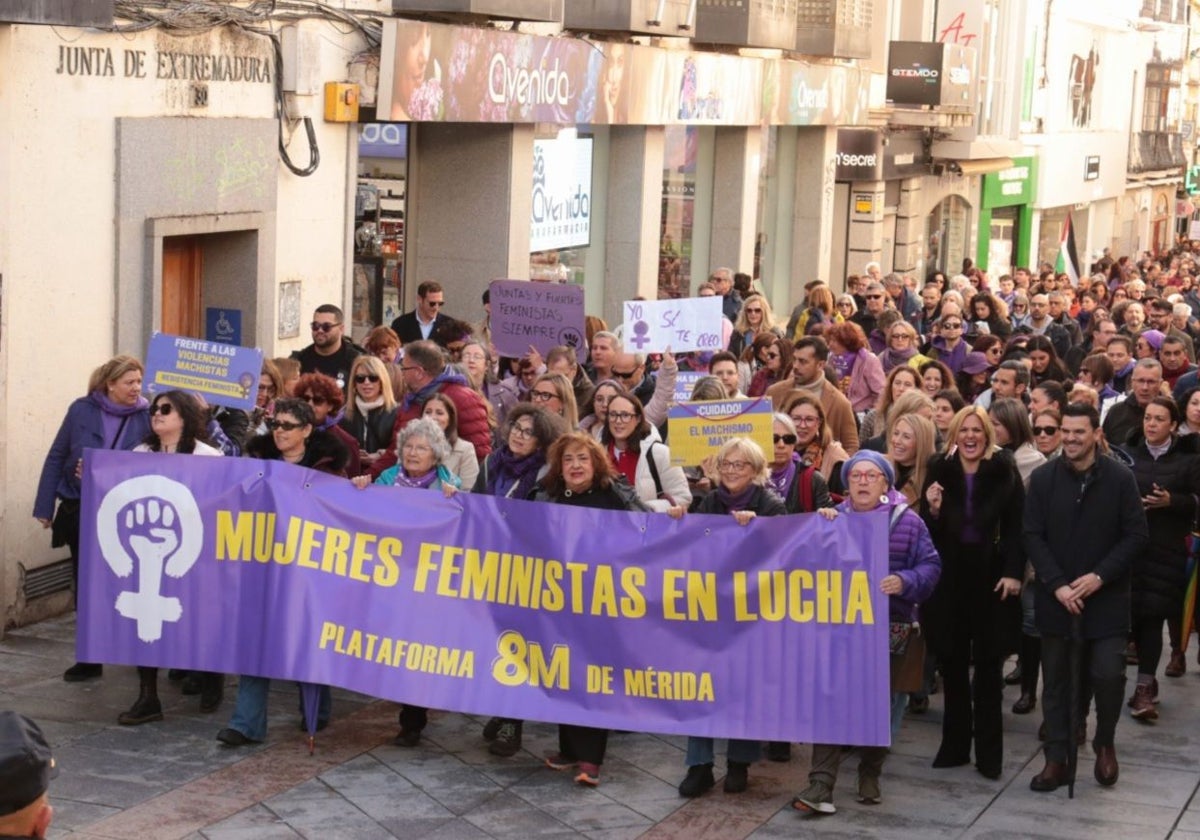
{"type": "Point", "coordinates": [295, 439]}
{"type": "Point", "coordinates": [422, 450]}
{"type": "Point", "coordinates": [913, 571]}
{"type": "Point", "coordinates": [902, 348]}
{"type": "Point", "coordinates": [743, 490]}
{"type": "Point", "coordinates": [326, 398]}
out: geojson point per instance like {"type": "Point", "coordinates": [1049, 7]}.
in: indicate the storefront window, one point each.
{"type": "Point", "coordinates": [946, 235]}
{"type": "Point", "coordinates": [379, 226]}
{"type": "Point", "coordinates": [561, 222]}
{"type": "Point", "coordinates": [678, 212]}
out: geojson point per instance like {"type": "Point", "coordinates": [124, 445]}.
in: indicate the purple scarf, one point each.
{"type": "Point", "coordinates": [895, 358]}
{"type": "Point", "coordinates": [449, 376]}
{"type": "Point", "coordinates": [504, 470]}
{"type": "Point", "coordinates": [782, 479]}
{"type": "Point", "coordinates": [842, 363]}
{"type": "Point", "coordinates": [331, 420]}
{"type": "Point", "coordinates": [423, 481]}
{"type": "Point", "coordinates": [113, 415]}
{"type": "Point", "coordinates": [733, 503]}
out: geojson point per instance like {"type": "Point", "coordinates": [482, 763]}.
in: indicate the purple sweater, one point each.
{"type": "Point", "coordinates": [911, 556]}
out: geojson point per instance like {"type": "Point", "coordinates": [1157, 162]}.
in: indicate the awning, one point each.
{"type": "Point", "coordinates": [982, 165]}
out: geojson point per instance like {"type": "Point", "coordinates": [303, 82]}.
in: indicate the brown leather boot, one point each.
{"type": "Point", "coordinates": [1053, 775]}
{"type": "Point", "coordinates": [1177, 667]}
{"type": "Point", "coordinates": [1142, 704]}
{"type": "Point", "coordinates": [1107, 769]}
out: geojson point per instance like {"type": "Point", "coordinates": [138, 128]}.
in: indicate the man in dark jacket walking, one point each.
{"type": "Point", "coordinates": [1084, 525]}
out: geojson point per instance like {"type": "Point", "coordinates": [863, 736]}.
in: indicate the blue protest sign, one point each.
{"type": "Point", "coordinates": [225, 374]}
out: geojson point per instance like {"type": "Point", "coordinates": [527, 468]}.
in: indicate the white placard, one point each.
{"type": "Point", "coordinates": [1194, 229]}
{"type": "Point", "coordinates": [682, 325]}
{"type": "Point", "coordinates": [562, 194]}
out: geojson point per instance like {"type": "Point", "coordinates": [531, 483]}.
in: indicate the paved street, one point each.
{"type": "Point", "coordinates": [173, 780]}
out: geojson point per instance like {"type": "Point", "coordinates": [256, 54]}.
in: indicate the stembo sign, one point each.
{"type": "Point", "coordinates": [562, 194]}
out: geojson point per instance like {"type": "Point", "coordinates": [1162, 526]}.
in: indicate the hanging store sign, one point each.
{"type": "Point", "coordinates": [914, 74]}
{"type": "Point", "coordinates": [859, 155]}
{"type": "Point", "coordinates": [436, 72]}
{"type": "Point", "coordinates": [562, 194]}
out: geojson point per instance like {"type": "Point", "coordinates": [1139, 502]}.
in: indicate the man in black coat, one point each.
{"type": "Point", "coordinates": [422, 322]}
{"type": "Point", "coordinates": [1145, 383]}
{"type": "Point", "coordinates": [332, 352]}
{"type": "Point", "coordinates": [1084, 525]}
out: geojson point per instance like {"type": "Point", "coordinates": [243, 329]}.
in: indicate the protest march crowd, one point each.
{"type": "Point", "coordinates": [1032, 438]}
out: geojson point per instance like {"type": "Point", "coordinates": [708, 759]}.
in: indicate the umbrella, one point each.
{"type": "Point", "coordinates": [310, 703]}
{"type": "Point", "coordinates": [1192, 571]}
{"type": "Point", "coordinates": [1076, 666]}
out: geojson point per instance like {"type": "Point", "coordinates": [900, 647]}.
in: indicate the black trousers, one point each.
{"type": "Point", "coordinates": [1102, 670]}
{"type": "Point", "coordinates": [582, 743]}
{"type": "Point", "coordinates": [973, 711]}
{"type": "Point", "coordinates": [1148, 633]}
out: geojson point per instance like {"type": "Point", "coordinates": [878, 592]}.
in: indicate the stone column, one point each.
{"type": "Point", "coordinates": [910, 229]}
{"type": "Point", "coordinates": [864, 233]}
{"type": "Point", "coordinates": [736, 168]}
{"type": "Point", "coordinates": [468, 214]}
{"type": "Point", "coordinates": [812, 217]}
{"type": "Point", "coordinates": [633, 217]}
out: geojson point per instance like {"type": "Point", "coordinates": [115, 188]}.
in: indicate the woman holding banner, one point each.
{"type": "Point", "coordinates": [112, 416]}
{"type": "Point", "coordinates": [178, 423]}
{"type": "Point", "coordinates": [972, 501]}
{"type": "Point", "coordinates": [295, 439]}
{"type": "Point", "coordinates": [513, 471]}
{"type": "Point", "coordinates": [580, 474]}
{"type": "Point", "coordinates": [421, 451]}
{"type": "Point", "coordinates": [645, 461]}
{"type": "Point", "coordinates": [743, 490]}
{"type": "Point", "coordinates": [913, 571]}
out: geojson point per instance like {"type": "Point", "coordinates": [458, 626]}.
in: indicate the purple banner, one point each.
{"type": "Point", "coordinates": [774, 631]}
{"type": "Point", "coordinates": [224, 374]}
{"type": "Point", "coordinates": [543, 315]}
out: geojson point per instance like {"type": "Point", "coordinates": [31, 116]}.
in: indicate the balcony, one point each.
{"type": "Point", "coordinates": [1156, 151]}
{"type": "Point", "coordinates": [643, 17]}
{"type": "Point", "coordinates": [769, 24]}
{"type": "Point", "coordinates": [536, 10]}
{"type": "Point", "coordinates": [834, 28]}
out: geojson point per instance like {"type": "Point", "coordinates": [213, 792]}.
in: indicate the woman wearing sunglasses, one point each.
{"type": "Point", "coordinates": [370, 416]}
{"type": "Point", "coordinates": [178, 424]}
{"type": "Point", "coordinates": [322, 393]}
{"type": "Point", "coordinates": [294, 438]}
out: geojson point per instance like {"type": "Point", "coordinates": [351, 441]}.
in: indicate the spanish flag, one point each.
{"type": "Point", "coordinates": [1068, 259]}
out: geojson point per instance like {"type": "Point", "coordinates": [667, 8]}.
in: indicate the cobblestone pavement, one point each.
{"type": "Point", "coordinates": [174, 780]}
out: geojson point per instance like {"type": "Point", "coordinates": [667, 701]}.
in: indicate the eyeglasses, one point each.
{"type": "Point", "coordinates": [790, 440]}
{"type": "Point", "coordinates": [621, 416]}
{"type": "Point", "coordinates": [314, 399]}
{"type": "Point", "coordinates": [801, 420]}
{"type": "Point", "coordinates": [163, 408]}
{"type": "Point", "coordinates": [864, 477]}
{"type": "Point", "coordinates": [525, 432]}
{"type": "Point", "coordinates": [360, 378]}
{"type": "Point", "coordinates": [282, 426]}
{"type": "Point", "coordinates": [435, 303]}
{"type": "Point", "coordinates": [873, 297]}
{"type": "Point", "coordinates": [624, 374]}
{"type": "Point", "coordinates": [1045, 430]}
{"type": "Point", "coordinates": [733, 466]}
{"type": "Point", "coordinates": [416, 447]}
{"type": "Point", "coordinates": [542, 396]}
{"type": "Point", "coordinates": [323, 326]}
{"type": "Point", "coordinates": [754, 311]}
{"type": "Point", "coordinates": [952, 325]}
{"type": "Point", "coordinates": [900, 336]}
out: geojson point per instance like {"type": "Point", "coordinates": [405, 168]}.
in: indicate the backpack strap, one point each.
{"type": "Point", "coordinates": [658, 488]}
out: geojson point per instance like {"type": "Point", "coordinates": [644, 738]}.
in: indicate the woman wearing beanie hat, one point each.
{"type": "Point", "coordinates": [1147, 345]}
{"type": "Point", "coordinates": [913, 572]}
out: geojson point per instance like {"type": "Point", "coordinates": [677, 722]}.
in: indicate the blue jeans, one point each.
{"type": "Point", "coordinates": [250, 709]}
{"type": "Point", "coordinates": [700, 751]}
{"type": "Point", "coordinates": [899, 704]}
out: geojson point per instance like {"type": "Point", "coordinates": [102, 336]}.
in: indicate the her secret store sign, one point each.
{"type": "Point", "coordinates": [562, 194]}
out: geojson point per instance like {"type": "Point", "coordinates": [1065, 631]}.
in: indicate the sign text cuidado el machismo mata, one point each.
{"type": "Point", "coordinates": [489, 606]}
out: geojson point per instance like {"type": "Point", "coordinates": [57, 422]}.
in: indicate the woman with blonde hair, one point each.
{"type": "Point", "coordinates": [754, 319]}
{"type": "Point", "coordinates": [818, 309]}
{"type": "Point", "coordinates": [911, 442]}
{"type": "Point", "coordinates": [814, 438]}
{"type": "Point", "coordinates": [371, 412]}
{"type": "Point", "coordinates": [112, 415]}
{"type": "Point", "coordinates": [899, 380]}
{"type": "Point", "coordinates": [555, 393]}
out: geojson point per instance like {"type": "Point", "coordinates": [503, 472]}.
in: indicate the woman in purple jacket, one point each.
{"type": "Point", "coordinates": [913, 572]}
{"type": "Point", "coordinates": [113, 415]}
